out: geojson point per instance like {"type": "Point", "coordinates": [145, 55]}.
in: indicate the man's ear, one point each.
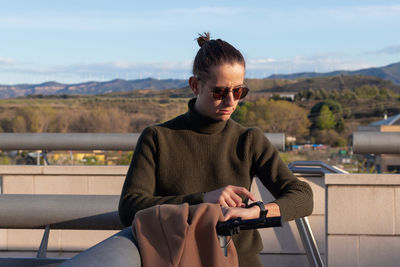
{"type": "Point", "coordinates": [193, 83]}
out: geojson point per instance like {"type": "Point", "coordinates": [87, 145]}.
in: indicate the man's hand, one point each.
{"type": "Point", "coordinates": [244, 213]}
{"type": "Point", "coordinates": [228, 196]}
{"type": "Point", "coordinates": [250, 213]}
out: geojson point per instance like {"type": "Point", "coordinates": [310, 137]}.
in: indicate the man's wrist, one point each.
{"type": "Point", "coordinates": [259, 205]}
{"type": "Point", "coordinates": [255, 212]}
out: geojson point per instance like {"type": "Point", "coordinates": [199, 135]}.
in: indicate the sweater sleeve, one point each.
{"type": "Point", "coordinates": [139, 189]}
{"type": "Point", "coordinates": [294, 197]}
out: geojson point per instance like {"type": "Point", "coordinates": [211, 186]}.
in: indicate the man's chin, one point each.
{"type": "Point", "coordinates": [223, 117]}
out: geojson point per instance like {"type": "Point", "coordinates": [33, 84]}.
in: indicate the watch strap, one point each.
{"type": "Point", "coordinates": [260, 204]}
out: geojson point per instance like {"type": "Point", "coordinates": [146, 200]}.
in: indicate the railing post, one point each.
{"type": "Point", "coordinates": [308, 240]}
{"type": "Point", "coordinates": [42, 252]}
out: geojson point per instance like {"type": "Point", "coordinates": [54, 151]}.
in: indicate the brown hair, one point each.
{"type": "Point", "coordinates": [214, 53]}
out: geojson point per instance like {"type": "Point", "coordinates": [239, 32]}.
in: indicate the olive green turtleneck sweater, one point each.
{"type": "Point", "coordinates": [176, 161]}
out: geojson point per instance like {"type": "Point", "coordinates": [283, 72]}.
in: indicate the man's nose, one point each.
{"type": "Point", "coordinates": [229, 99]}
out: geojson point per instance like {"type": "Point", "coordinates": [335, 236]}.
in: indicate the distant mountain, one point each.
{"type": "Point", "coordinates": [339, 82]}
{"type": "Point", "coordinates": [88, 88]}
{"type": "Point", "coordinates": [388, 76]}
{"type": "Point", "coordinates": [390, 72]}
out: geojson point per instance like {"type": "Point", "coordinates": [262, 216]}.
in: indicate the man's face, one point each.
{"type": "Point", "coordinates": [226, 75]}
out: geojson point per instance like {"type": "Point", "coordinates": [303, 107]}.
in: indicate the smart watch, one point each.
{"type": "Point", "coordinates": [260, 204]}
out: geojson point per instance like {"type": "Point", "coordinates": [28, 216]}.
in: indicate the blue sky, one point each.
{"type": "Point", "coordinates": [75, 41]}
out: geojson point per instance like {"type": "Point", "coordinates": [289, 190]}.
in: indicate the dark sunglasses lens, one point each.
{"type": "Point", "coordinates": [219, 93]}
{"type": "Point", "coordinates": [245, 90]}
{"type": "Point", "coordinates": [239, 93]}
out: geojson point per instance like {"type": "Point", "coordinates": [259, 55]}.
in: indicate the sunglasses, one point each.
{"type": "Point", "coordinates": [220, 93]}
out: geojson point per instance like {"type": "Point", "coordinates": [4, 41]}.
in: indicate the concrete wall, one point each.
{"type": "Point", "coordinates": [82, 180]}
{"type": "Point", "coordinates": [363, 219]}
{"type": "Point", "coordinates": [282, 246]}
{"type": "Point", "coordinates": [362, 229]}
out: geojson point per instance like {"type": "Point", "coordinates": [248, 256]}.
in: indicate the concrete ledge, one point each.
{"type": "Point", "coordinates": [63, 170]}
{"type": "Point", "coordinates": [86, 170]}
{"type": "Point", "coordinates": [20, 169]}
{"type": "Point", "coordinates": [362, 179]}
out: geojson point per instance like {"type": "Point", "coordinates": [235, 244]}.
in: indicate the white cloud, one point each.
{"type": "Point", "coordinates": [261, 61]}
{"type": "Point", "coordinates": [256, 68]}
{"type": "Point", "coordinates": [99, 71]}
{"type": "Point", "coordinates": [110, 68]}
{"type": "Point", "coordinates": [125, 65]}
{"type": "Point", "coordinates": [6, 61]}
{"type": "Point", "coordinates": [377, 11]}
{"type": "Point", "coordinates": [389, 50]}
{"type": "Point", "coordinates": [314, 63]}
{"type": "Point", "coordinates": [327, 17]}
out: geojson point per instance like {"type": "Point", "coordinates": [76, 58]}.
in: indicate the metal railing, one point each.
{"type": "Point", "coordinates": [118, 250]}
{"type": "Point", "coordinates": [313, 168]}
{"type": "Point", "coordinates": [94, 212]}
{"type": "Point", "coordinates": [88, 141]}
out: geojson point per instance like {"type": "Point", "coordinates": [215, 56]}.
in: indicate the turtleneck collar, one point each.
{"type": "Point", "coordinates": [201, 123]}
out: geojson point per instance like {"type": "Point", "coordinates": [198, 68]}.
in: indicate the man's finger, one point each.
{"type": "Point", "coordinates": [243, 192]}
{"type": "Point", "coordinates": [230, 202]}
{"type": "Point", "coordinates": [223, 203]}
{"type": "Point", "coordinates": [237, 199]}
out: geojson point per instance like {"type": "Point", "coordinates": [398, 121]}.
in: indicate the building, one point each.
{"type": "Point", "coordinates": [383, 163]}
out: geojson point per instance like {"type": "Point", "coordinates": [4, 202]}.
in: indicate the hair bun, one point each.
{"type": "Point", "coordinates": [203, 38]}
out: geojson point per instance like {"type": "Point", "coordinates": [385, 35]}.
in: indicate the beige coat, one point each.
{"type": "Point", "coordinates": [180, 236]}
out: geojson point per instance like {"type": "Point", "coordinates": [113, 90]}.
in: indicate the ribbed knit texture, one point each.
{"type": "Point", "coordinates": [175, 162]}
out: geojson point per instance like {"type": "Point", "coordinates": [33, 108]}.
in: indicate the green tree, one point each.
{"type": "Point", "coordinates": [283, 116]}
{"type": "Point", "coordinates": [275, 116]}
{"type": "Point", "coordinates": [241, 112]}
{"type": "Point", "coordinates": [334, 94]}
{"type": "Point", "coordinates": [323, 93]}
{"type": "Point", "coordinates": [335, 108]}
{"type": "Point", "coordinates": [340, 125]}
{"type": "Point", "coordinates": [348, 94]}
{"type": "Point", "coordinates": [325, 119]}
{"type": "Point", "coordinates": [386, 93]}
{"type": "Point", "coordinates": [367, 91]}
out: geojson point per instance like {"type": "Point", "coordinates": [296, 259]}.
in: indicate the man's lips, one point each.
{"type": "Point", "coordinates": [225, 111]}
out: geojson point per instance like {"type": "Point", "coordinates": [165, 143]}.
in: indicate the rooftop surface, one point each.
{"type": "Point", "coordinates": [393, 120]}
